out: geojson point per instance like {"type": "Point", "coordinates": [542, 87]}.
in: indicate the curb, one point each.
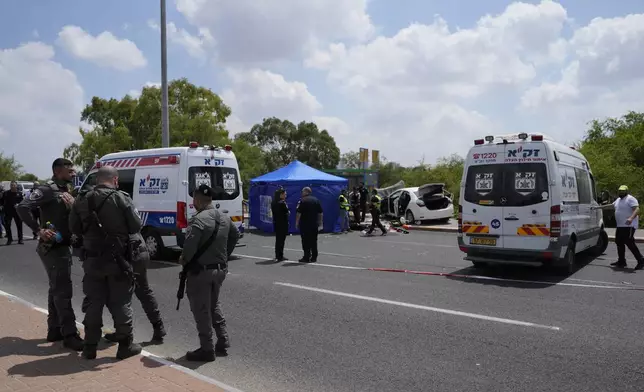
{"type": "Point", "coordinates": [144, 353]}
{"type": "Point", "coordinates": [439, 229]}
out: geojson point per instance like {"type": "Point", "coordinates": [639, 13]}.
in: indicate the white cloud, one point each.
{"type": "Point", "coordinates": [249, 31]}
{"type": "Point", "coordinates": [105, 50]}
{"type": "Point", "coordinates": [134, 93]}
{"type": "Point", "coordinates": [40, 106]}
{"type": "Point", "coordinates": [195, 45]}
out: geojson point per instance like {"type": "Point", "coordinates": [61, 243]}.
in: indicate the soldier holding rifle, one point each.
{"type": "Point", "coordinates": [210, 238]}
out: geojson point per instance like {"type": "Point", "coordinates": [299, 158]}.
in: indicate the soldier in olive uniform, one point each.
{"type": "Point", "coordinates": [105, 283]}
{"type": "Point", "coordinates": [54, 201]}
{"type": "Point", "coordinates": [207, 273]}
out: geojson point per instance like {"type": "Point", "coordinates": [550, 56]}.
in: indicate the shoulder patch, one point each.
{"type": "Point", "coordinates": [35, 195]}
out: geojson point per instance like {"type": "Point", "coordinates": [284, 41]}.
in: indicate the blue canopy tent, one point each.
{"type": "Point", "coordinates": [293, 177]}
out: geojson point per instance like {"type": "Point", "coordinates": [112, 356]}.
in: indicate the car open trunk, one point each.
{"type": "Point", "coordinates": [434, 196]}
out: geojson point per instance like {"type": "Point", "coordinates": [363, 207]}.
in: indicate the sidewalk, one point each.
{"type": "Point", "coordinates": [28, 363]}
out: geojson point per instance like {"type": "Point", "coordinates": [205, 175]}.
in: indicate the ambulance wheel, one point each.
{"type": "Point", "coordinates": [602, 244]}
{"type": "Point", "coordinates": [154, 243]}
{"type": "Point", "coordinates": [568, 262]}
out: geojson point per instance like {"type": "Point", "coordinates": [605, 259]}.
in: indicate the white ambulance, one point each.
{"type": "Point", "coordinates": [161, 182]}
{"type": "Point", "coordinates": [526, 199]}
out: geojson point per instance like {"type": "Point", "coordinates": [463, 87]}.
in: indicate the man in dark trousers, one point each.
{"type": "Point", "coordinates": [364, 199]}
{"type": "Point", "coordinates": [10, 200]}
{"type": "Point", "coordinates": [106, 218]}
{"type": "Point", "coordinates": [308, 221]}
{"type": "Point", "coordinates": [211, 237]}
{"type": "Point", "coordinates": [280, 222]}
{"type": "Point", "coordinates": [54, 248]}
{"type": "Point", "coordinates": [375, 213]}
{"type": "Point", "coordinates": [354, 199]}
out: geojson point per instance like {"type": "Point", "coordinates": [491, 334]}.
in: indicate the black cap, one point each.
{"type": "Point", "coordinates": [204, 190]}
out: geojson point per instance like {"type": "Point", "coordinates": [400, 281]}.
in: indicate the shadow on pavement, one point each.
{"type": "Point", "coordinates": [268, 262]}
{"type": "Point", "coordinates": [59, 361]}
{"type": "Point", "coordinates": [188, 364]}
{"type": "Point", "coordinates": [155, 265]}
{"type": "Point", "coordinates": [538, 277]}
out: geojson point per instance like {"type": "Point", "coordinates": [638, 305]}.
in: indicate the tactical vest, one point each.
{"type": "Point", "coordinates": [344, 203]}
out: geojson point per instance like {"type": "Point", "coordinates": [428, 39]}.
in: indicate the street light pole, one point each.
{"type": "Point", "coordinates": [165, 121]}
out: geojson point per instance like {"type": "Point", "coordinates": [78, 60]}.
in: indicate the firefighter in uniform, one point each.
{"type": "Point", "coordinates": [210, 238]}
{"type": "Point", "coordinates": [375, 213]}
{"type": "Point", "coordinates": [106, 218]}
{"type": "Point", "coordinates": [344, 212]}
{"type": "Point", "coordinates": [54, 249]}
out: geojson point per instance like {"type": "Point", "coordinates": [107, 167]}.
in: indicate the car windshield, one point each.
{"type": "Point", "coordinates": [507, 185]}
{"type": "Point", "coordinates": [223, 180]}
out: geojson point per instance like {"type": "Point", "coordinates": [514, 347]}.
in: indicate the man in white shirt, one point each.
{"type": "Point", "coordinates": [627, 218]}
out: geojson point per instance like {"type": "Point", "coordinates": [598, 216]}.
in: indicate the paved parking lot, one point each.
{"type": "Point", "coordinates": [345, 324]}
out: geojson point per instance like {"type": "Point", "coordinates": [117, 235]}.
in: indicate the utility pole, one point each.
{"type": "Point", "coordinates": [165, 120]}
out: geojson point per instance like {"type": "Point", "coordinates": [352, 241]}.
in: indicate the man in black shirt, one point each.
{"type": "Point", "coordinates": [11, 199]}
{"type": "Point", "coordinates": [364, 198]}
{"type": "Point", "coordinates": [280, 222]}
{"type": "Point", "coordinates": [307, 221]}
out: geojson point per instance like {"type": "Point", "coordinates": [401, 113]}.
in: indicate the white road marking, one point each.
{"type": "Point", "coordinates": [322, 253]}
{"type": "Point", "coordinates": [419, 244]}
{"type": "Point", "coordinates": [295, 262]}
{"type": "Point", "coordinates": [421, 307]}
{"type": "Point", "coordinates": [144, 353]}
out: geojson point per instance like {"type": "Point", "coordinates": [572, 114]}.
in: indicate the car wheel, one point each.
{"type": "Point", "coordinates": [154, 243]}
{"type": "Point", "coordinates": [569, 260]}
{"type": "Point", "coordinates": [409, 216]}
{"type": "Point", "coordinates": [602, 244]}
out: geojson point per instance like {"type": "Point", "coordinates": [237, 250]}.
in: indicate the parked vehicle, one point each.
{"type": "Point", "coordinates": [430, 202]}
{"type": "Point", "coordinates": [528, 200]}
{"type": "Point", "coordinates": [161, 182]}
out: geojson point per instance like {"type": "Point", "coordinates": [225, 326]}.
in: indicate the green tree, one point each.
{"type": "Point", "coordinates": [281, 141]}
{"type": "Point", "coordinates": [614, 148]}
{"type": "Point", "coordinates": [10, 169]}
{"type": "Point", "coordinates": [28, 177]}
{"type": "Point", "coordinates": [196, 114]}
{"type": "Point", "coordinates": [251, 162]}
{"type": "Point", "coordinates": [351, 159]}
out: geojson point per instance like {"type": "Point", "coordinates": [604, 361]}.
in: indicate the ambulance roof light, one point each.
{"type": "Point", "coordinates": [523, 136]}
{"type": "Point", "coordinates": [194, 145]}
{"type": "Point", "coordinates": [478, 142]}
{"type": "Point", "coordinates": [228, 147]}
{"type": "Point", "coordinates": [537, 138]}
{"type": "Point", "coordinates": [489, 139]}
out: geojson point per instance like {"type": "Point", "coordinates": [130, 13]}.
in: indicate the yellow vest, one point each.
{"type": "Point", "coordinates": [377, 203]}
{"type": "Point", "coordinates": [344, 203]}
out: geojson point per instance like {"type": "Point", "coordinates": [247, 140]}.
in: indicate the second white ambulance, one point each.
{"type": "Point", "coordinates": [526, 199]}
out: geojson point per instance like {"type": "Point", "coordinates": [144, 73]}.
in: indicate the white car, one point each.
{"type": "Point", "coordinates": [426, 203]}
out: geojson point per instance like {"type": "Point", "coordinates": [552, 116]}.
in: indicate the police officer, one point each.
{"type": "Point", "coordinates": [55, 202]}
{"type": "Point", "coordinates": [344, 211]}
{"type": "Point", "coordinates": [354, 198]}
{"type": "Point", "coordinates": [210, 238]}
{"type": "Point", "coordinates": [144, 292]}
{"type": "Point", "coordinates": [308, 221]}
{"type": "Point", "coordinates": [375, 213]}
{"type": "Point", "coordinates": [364, 198]}
{"type": "Point", "coordinates": [281, 216]}
{"type": "Point", "coordinates": [106, 218]}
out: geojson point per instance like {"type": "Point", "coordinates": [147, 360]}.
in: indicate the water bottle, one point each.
{"type": "Point", "coordinates": [57, 237]}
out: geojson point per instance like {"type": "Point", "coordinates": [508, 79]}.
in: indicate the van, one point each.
{"type": "Point", "coordinates": [161, 182]}
{"type": "Point", "coordinates": [526, 199]}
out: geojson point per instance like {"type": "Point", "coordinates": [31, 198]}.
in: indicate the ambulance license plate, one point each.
{"type": "Point", "coordinates": [483, 241]}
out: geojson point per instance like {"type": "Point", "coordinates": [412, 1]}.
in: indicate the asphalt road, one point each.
{"type": "Point", "coordinates": [337, 326]}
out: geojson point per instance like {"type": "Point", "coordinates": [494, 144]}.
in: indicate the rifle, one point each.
{"type": "Point", "coordinates": [183, 275]}
{"type": "Point", "coordinates": [118, 249]}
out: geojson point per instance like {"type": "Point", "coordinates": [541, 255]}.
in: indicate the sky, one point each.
{"type": "Point", "coordinates": [416, 79]}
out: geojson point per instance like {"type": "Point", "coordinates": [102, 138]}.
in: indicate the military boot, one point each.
{"type": "Point", "coordinates": [200, 355]}
{"type": "Point", "coordinates": [73, 342]}
{"type": "Point", "coordinates": [127, 348]}
{"type": "Point", "coordinates": [159, 332]}
{"type": "Point", "coordinates": [222, 346]}
{"type": "Point", "coordinates": [54, 335]}
{"type": "Point", "coordinates": [89, 351]}
{"type": "Point", "coordinates": [113, 337]}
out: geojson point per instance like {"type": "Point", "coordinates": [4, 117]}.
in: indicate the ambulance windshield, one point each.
{"type": "Point", "coordinates": [223, 180]}
{"type": "Point", "coordinates": [507, 185]}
